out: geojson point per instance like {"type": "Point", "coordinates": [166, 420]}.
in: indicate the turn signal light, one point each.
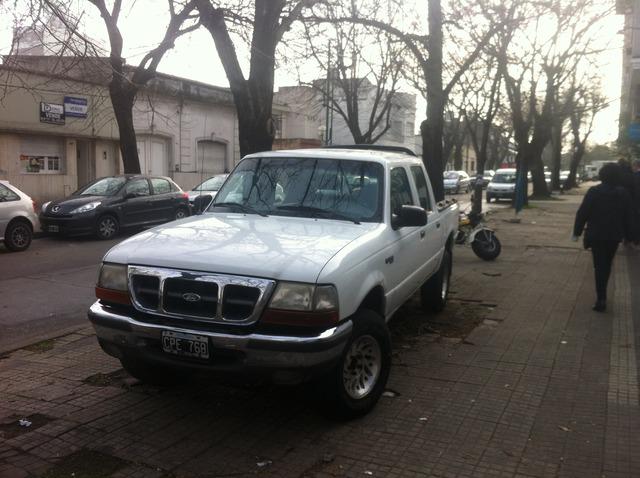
{"type": "Point", "coordinates": [114, 296]}
{"type": "Point", "coordinates": [300, 318]}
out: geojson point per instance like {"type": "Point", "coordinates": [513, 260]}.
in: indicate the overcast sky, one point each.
{"type": "Point", "coordinates": [194, 56]}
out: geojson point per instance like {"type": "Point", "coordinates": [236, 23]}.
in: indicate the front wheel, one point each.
{"type": "Point", "coordinates": [107, 227]}
{"type": "Point", "coordinates": [486, 245]}
{"type": "Point", "coordinates": [18, 236]}
{"type": "Point", "coordinates": [434, 292]}
{"type": "Point", "coordinates": [354, 386]}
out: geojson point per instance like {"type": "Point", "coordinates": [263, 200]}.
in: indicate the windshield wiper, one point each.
{"type": "Point", "coordinates": [318, 211]}
{"type": "Point", "coordinates": [244, 208]}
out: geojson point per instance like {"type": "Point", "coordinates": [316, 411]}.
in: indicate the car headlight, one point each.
{"type": "Point", "coordinates": [86, 208]}
{"type": "Point", "coordinates": [45, 206]}
{"type": "Point", "coordinates": [113, 276]}
{"type": "Point", "coordinates": [304, 297]}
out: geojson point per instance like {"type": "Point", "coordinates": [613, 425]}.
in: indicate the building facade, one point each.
{"type": "Point", "coordinates": [630, 94]}
{"type": "Point", "coordinates": [58, 130]}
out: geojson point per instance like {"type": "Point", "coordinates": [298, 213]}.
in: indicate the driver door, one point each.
{"type": "Point", "coordinates": [138, 209]}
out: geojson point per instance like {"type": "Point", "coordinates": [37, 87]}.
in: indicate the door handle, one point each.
{"type": "Point", "coordinates": [422, 233]}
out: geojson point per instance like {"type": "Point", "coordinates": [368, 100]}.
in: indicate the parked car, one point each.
{"type": "Point", "coordinates": [456, 182]}
{"type": "Point", "coordinates": [502, 185]}
{"type": "Point", "coordinates": [208, 187]}
{"type": "Point", "coordinates": [108, 204]}
{"type": "Point", "coordinates": [18, 217]}
{"type": "Point", "coordinates": [291, 273]}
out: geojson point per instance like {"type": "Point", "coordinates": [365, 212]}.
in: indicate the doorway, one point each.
{"type": "Point", "coordinates": [85, 165]}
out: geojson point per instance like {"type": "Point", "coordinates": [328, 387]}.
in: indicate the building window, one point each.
{"type": "Point", "coordinates": [41, 155]}
{"type": "Point", "coordinates": [211, 157]}
{"type": "Point", "coordinates": [277, 124]}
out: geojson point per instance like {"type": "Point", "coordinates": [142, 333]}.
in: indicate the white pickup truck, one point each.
{"type": "Point", "coordinates": [292, 272]}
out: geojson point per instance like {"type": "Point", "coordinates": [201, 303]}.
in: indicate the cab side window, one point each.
{"type": "Point", "coordinates": [7, 194]}
{"type": "Point", "coordinates": [139, 187]}
{"type": "Point", "coordinates": [400, 189]}
{"type": "Point", "coordinates": [421, 186]}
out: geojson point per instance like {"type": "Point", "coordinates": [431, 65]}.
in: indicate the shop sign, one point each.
{"type": "Point", "coordinates": [76, 107]}
{"type": "Point", "coordinates": [51, 113]}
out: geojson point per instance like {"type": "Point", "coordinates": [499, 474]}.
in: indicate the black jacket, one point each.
{"type": "Point", "coordinates": [606, 211]}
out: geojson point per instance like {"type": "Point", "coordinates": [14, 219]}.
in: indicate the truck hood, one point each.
{"type": "Point", "coordinates": [275, 247]}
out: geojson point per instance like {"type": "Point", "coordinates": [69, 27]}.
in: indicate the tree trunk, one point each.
{"type": "Point", "coordinates": [536, 167]}
{"type": "Point", "coordinates": [122, 98]}
{"type": "Point", "coordinates": [476, 206]}
{"type": "Point", "coordinates": [576, 159]}
{"type": "Point", "coordinates": [433, 127]}
{"type": "Point", "coordinates": [556, 156]}
{"type": "Point", "coordinates": [457, 156]}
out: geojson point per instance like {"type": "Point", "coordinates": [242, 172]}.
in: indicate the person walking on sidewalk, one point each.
{"type": "Point", "coordinates": [606, 212]}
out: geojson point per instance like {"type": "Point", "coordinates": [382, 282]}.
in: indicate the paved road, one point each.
{"type": "Point", "coordinates": [46, 290]}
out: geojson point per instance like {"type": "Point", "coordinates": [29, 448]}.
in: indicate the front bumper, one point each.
{"type": "Point", "coordinates": [121, 335]}
{"type": "Point", "coordinates": [77, 224]}
{"type": "Point", "coordinates": [501, 194]}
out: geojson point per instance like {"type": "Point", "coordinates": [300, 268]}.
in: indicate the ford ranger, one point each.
{"type": "Point", "coordinates": [292, 273]}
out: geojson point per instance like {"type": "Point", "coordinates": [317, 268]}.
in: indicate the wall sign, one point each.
{"type": "Point", "coordinates": [76, 107]}
{"type": "Point", "coordinates": [51, 113]}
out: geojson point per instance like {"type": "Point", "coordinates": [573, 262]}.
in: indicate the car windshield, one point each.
{"type": "Point", "coordinates": [504, 178]}
{"type": "Point", "coordinates": [305, 187]}
{"type": "Point", "coordinates": [211, 184]}
{"type": "Point", "coordinates": [451, 175]}
{"type": "Point", "coordinates": [102, 187]}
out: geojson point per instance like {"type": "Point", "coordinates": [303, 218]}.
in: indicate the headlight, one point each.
{"type": "Point", "coordinates": [304, 297]}
{"type": "Point", "coordinates": [113, 276]}
{"type": "Point", "coordinates": [45, 205]}
{"type": "Point", "coordinates": [86, 208]}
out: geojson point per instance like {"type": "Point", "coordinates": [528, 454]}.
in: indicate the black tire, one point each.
{"type": "Point", "coordinates": [18, 235]}
{"type": "Point", "coordinates": [151, 373]}
{"type": "Point", "coordinates": [486, 245]}
{"type": "Point", "coordinates": [367, 357]}
{"type": "Point", "coordinates": [435, 292]}
{"type": "Point", "coordinates": [180, 213]}
{"type": "Point", "coordinates": [107, 227]}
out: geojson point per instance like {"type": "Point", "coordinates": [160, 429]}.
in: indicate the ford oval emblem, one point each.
{"type": "Point", "coordinates": [55, 208]}
{"type": "Point", "coordinates": [191, 297]}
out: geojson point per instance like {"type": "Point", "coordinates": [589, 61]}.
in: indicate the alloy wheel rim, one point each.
{"type": "Point", "coordinates": [19, 236]}
{"type": "Point", "coordinates": [107, 227]}
{"type": "Point", "coordinates": [180, 215]}
{"type": "Point", "coordinates": [361, 367]}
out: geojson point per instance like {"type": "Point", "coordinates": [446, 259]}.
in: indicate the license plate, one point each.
{"type": "Point", "coordinates": [186, 345]}
{"type": "Point", "coordinates": [53, 229]}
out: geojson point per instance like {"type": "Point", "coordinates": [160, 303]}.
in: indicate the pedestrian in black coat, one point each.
{"type": "Point", "coordinates": [606, 212]}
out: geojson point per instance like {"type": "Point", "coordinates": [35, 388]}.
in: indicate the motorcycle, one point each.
{"type": "Point", "coordinates": [473, 232]}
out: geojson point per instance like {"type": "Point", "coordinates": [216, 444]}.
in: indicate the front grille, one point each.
{"type": "Point", "coordinates": [199, 296]}
{"type": "Point", "coordinates": [190, 297]}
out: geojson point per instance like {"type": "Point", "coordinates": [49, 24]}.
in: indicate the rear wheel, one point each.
{"type": "Point", "coordinates": [486, 245]}
{"type": "Point", "coordinates": [434, 292]}
{"type": "Point", "coordinates": [181, 213]}
{"type": "Point", "coordinates": [18, 235]}
{"type": "Point", "coordinates": [353, 387]}
{"type": "Point", "coordinates": [107, 227]}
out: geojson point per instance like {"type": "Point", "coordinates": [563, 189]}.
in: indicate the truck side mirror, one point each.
{"type": "Point", "coordinates": [409, 216]}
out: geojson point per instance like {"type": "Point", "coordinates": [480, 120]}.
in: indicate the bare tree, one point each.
{"type": "Point", "coordinates": [266, 23]}
{"type": "Point", "coordinates": [126, 81]}
{"type": "Point", "coordinates": [368, 63]}
{"type": "Point", "coordinates": [427, 53]}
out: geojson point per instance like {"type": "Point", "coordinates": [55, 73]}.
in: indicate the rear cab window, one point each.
{"type": "Point", "coordinates": [400, 189]}
{"type": "Point", "coordinates": [422, 187]}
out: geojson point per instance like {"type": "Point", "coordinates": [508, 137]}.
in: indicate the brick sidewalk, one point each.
{"type": "Point", "coordinates": [542, 387]}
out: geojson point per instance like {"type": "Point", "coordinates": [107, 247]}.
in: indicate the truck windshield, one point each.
{"type": "Point", "coordinates": [306, 187]}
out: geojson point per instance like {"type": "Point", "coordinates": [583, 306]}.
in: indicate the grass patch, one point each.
{"type": "Point", "coordinates": [86, 464]}
{"type": "Point", "coordinates": [41, 347]}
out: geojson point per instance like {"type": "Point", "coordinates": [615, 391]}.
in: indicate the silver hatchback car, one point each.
{"type": "Point", "coordinates": [18, 218]}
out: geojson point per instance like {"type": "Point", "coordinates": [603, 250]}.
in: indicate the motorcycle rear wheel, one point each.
{"type": "Point", "coordinates": [486, 245]}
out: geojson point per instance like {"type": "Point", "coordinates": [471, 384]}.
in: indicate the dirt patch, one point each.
{"type": "Point", "coordinates": [457, 320]}
{"type": "Point", "coordinates": [86, 464]}
{"type": "Point", "coordinates": [115, 379]}
{"type": "Point", "coordinates": [41, 347]}
{"type": "Point", "coordinates": [12, 427]}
